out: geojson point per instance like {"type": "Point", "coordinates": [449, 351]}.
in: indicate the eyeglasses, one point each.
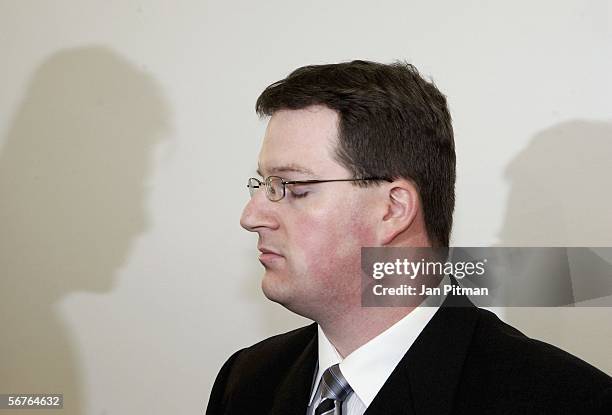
{"type": "Point", "coordinates": [275, 186]}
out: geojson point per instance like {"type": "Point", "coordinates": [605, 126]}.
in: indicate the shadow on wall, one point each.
{"type": "Point", "coordinates": [560, 196]}
{"type": "Point", "coordinates": [73, 169]}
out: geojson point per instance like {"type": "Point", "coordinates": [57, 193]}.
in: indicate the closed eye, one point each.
{"type": "Point", "coordinates": [299, 195]}
{"type": "Point", "coordinates": [297, 192]}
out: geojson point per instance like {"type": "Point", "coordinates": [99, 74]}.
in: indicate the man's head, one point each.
{"type": "Point", "coordinates": [349, 121]}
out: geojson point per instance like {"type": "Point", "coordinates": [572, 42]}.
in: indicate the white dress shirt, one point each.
{"type": "Point", "coordinates": [368, 367]}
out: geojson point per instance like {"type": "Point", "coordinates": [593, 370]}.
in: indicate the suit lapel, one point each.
{"type": "Point", "coordinates": [293, 393]}
{"type": "Point", "coordinates": [425, 380]}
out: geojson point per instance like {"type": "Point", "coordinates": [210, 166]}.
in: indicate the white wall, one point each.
{"type": "Point", "coordinates": [127, 130]}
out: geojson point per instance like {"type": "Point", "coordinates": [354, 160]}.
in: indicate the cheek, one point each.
{"type": "Point", "coordinates": [331, 246]}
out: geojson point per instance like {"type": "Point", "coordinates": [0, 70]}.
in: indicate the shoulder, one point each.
{"type": "Point", "coordinates": [497, 338]}
{"type": "Point", "coordinates": [274, 353]}
{"type": "Point", "coordinates": [505, 362]}
{"type": "Point", "coordinates": [270, 359]}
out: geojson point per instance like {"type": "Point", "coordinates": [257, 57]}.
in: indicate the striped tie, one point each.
{"type": "Point", "coordinates": [334, 390]}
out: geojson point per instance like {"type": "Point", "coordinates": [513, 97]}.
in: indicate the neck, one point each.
{"type": "Point", "coordinates": [351, 326]}
{"type": "Point", "coordinates": [350, 330]}
{"type": "Point", "coordinates": [348, 324]}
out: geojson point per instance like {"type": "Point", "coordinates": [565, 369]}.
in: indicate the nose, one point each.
{"type": "Point", "coordinates": [259, 213]}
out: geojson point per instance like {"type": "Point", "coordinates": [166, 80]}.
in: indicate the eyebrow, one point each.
{"type": "Point", "coordinates": [292, 168]}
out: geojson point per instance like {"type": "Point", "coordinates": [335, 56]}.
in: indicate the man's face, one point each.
{"type": "Point", "coordinates": [310, 240]}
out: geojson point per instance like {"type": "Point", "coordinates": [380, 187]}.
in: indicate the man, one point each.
{"type": "Point", "coordinates": [355, 155]}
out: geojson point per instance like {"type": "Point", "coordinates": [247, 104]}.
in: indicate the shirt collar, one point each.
{"type": "Point", "coordinates": [367, 368]}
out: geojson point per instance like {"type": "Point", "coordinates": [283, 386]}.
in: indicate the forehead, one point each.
{"type": "Point", "coordinates": [303, 139]}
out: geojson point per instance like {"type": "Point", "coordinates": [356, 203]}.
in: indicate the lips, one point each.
{"type": "Point", "coordinates": [268, 256]}
{"type": "Point", "coordinates": [265, 250]}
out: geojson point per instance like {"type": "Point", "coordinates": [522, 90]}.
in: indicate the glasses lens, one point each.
{"type": "Point", "coordinates": [275, 188]}
{"type": "Point", "coordinates": [253, 185]}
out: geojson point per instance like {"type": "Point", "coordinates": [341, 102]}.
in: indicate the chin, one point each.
{"type": "Point", "coordinates": [273, 287]}
{"type": "Point", "coordinates": [287, 295]}
{"type": "Point", "coordinates": [277, 289]}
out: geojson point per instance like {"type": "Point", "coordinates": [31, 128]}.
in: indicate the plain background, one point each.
{"type": "Point", "coordinates": [127, 132]}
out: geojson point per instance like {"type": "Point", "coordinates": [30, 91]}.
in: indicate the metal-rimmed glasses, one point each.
{"type": "Point", "coordinates": [275, 186]}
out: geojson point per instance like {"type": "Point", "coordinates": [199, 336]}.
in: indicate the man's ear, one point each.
{"type": "Point", "coordinates": [401, 209]}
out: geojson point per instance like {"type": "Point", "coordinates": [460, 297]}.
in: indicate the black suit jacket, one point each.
{"type": "Point", "coordinates": [465, 361]}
